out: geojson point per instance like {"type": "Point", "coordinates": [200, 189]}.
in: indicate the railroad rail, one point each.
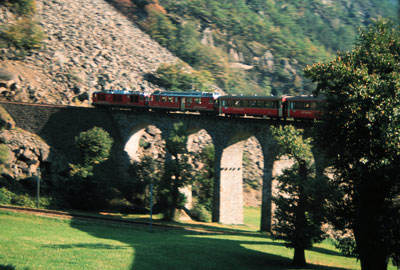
{"type": "Point", "coordinates": [68, 215]}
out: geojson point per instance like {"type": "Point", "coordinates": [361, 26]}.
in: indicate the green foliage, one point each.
{"type": "Point", "coordinates": [25, 35]}
{"type": "Point", "coordinates": [347, 246]}
{"type": "Point", "coordinates": [4, 154]}
{"type": "Point", "coordinates": [301, 199]}
{"type": "Point", "coordinates": [362, 90]}
{"type": "Point", "coordinates": [19, 198]}
{"type": "Point", "coordinates": [200, 213]}
{"type": "Point", "coordinates": [177, 77]}
{"type": "Point", "coordinates": [143, 173]}
{"type": "Point", "coordinates": [178, 171]}
{"type": "Point", "coordinates": [94, 146]}
{"type": "Point", "coordinates": [79, 170]}
{"type": "Point", "coordinates": [6, 196]}
{"type": "Point", "coordinates": [203, 184]}
{"type": "Point", "coordinates": [304, 31]}
{"type": "Point", "coordinates": [22, 7]}
{"type": "Point", "coordinates": [85, 189]}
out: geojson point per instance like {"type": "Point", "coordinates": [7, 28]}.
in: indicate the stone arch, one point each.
{"type": "Point", "coordinates": [136, 133]}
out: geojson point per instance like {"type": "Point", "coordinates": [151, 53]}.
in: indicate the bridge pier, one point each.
{"type": "Point", "coordinates": [228, 187]}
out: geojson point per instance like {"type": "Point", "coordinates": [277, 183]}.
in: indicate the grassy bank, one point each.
{"type": "Point", "coordinates": [31, 242]}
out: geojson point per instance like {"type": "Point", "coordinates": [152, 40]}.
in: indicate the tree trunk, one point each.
{"type": "Point", "coordinates": [299, 258]}
{"type": "Point", "coordinates": [368, 228]}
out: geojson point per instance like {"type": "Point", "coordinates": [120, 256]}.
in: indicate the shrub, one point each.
{"type": "Point", "coordinates": [9, 197]}
{"type": "Point", "coordinates": [5, 196]}
{"type": "Point", "coordinates": [22, 7]}
{"type": "Point", "coordinates": [23, 200]}
{"type": "Point", "coordinates": [200, 213]}
{"type": "Point", "coordinates": [24, 35]}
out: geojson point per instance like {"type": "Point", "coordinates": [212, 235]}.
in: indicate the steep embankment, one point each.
{"type": "Point", "coordinates": [88, 45]}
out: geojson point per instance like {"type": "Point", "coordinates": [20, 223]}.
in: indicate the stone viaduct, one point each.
{"type": "Point", "coordinates": [58, 125]}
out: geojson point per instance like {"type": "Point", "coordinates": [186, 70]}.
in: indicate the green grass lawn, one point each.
{"type": "Point", "coordinates": [31, 242]}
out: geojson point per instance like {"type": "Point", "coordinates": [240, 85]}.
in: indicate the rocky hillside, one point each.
{"type": "Point", "coordinates": [88, 45]}
{"type": "Point", "coordinates": [258, 46]}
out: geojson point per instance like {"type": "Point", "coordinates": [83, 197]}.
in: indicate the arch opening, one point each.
{"type": "Point", "coordinates": [145, 139]}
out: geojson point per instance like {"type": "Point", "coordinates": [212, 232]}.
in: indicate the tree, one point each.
{"type": "Point", "coordinates": [178, 171]}
{"type": "Point", "coordinates": [94, 147]}
{"type": "Point", "coordinates": [203, 184]}
{"type": "Point", "coordinates": [301, 199]}
{"type": "Point", "coordinates": [144, 173]}
{"type": "Point", "coordinates": [361, 132]}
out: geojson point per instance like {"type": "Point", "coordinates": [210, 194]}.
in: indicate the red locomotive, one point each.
{"type": "Point", "coordinates": [303, 107]}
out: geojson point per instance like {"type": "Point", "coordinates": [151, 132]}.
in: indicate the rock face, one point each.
{"type": "Point", "coordinates": [89, 45]}
{"type": "Point", "coordinates": [27, 151]}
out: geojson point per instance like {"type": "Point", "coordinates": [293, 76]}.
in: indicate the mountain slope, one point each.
{"type": "Point", "coordinates": [260, 46]}
{"type": "Point", "coordinates": [89, 45]}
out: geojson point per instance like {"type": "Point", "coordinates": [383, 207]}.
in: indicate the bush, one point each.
{"type": "Point", "coordinates": [22, 7]}
{"type": "Point", "coordinates": [200, 213]}
{"type": "Point", "coordinates": [5, 196]}
{"type": "Point", "coordinates": [23, 200]}
{"type": "Point", "coordinates": [11, 198]}
{"type": "Point", "coordinates": [24, 35]}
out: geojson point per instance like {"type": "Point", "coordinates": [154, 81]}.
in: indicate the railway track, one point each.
{"type": "Point", "coordinates": [68, 215]}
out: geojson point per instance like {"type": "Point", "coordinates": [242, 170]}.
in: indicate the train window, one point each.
{"type": "Point", "coordinates": [230, 103]}
{"type": "Point", "coordinates": [101, 97]}
{"type": "Point", "coordinates": [245, 103]}
{"type": "Point", "coordinates": [134, 99]}
{"type": "Point", "coordinates": [163, 99]}
{"type": "Point", "coordinates": [189, 100]}
{"type": "Point", "coordinates": [170, 99]}
{"type": "Point", "coordinates": [197, 100]}
{"type": "Point", "coordinates": [157, 98]}
{"type": "Point", "coordinates": [253, 103]}
{"type": "Point", "coordinates": [117, 98]}
{"type": "Point", "coordinates": [269, 104]}
{"type": "Point", "coordinates": [313, 105]}
{"type": "Point", "coordinates": [141, 98]}
{"type": "Point", "coordinates": [176, 99]}
{"type": "Point", "coordinates": [210, 101]}
{"type": "Point", "coordinates": [237, 103]}
{"type": "Point", "coordinates": [260, 103]}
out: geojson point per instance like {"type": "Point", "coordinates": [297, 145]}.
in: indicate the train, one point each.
{"type": "Point", "coordinates": [268, 107]}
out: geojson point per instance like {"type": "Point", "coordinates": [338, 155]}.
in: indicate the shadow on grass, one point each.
{"type": "Point", "coordinates": [7, 267]}
{"type": "Point", "coordinates": [182, 249]}
{"type": "Point", "coordinates": [326, 251]}
{"type": "Point", "coordinates": [88, 246]}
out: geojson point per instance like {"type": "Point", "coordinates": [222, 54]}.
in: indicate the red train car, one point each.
{"type": "Point", "coordinates": [303, 107]}
{"type": "Point", "coordinates": [120, 98]}
{"type": "Point", "coordinates": [258, 106]}
{"type": "Point", "coordinates": [183, 101]}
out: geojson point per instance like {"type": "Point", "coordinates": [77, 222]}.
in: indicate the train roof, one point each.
{"type": "Point", "coordinates": [251, 97]}
{"type": "Point", "coordinates": [303, 98]}
{"type": "Point", "coordinates": [185, 94]}
{"type": "Point", "coordinates": [123, 92]}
